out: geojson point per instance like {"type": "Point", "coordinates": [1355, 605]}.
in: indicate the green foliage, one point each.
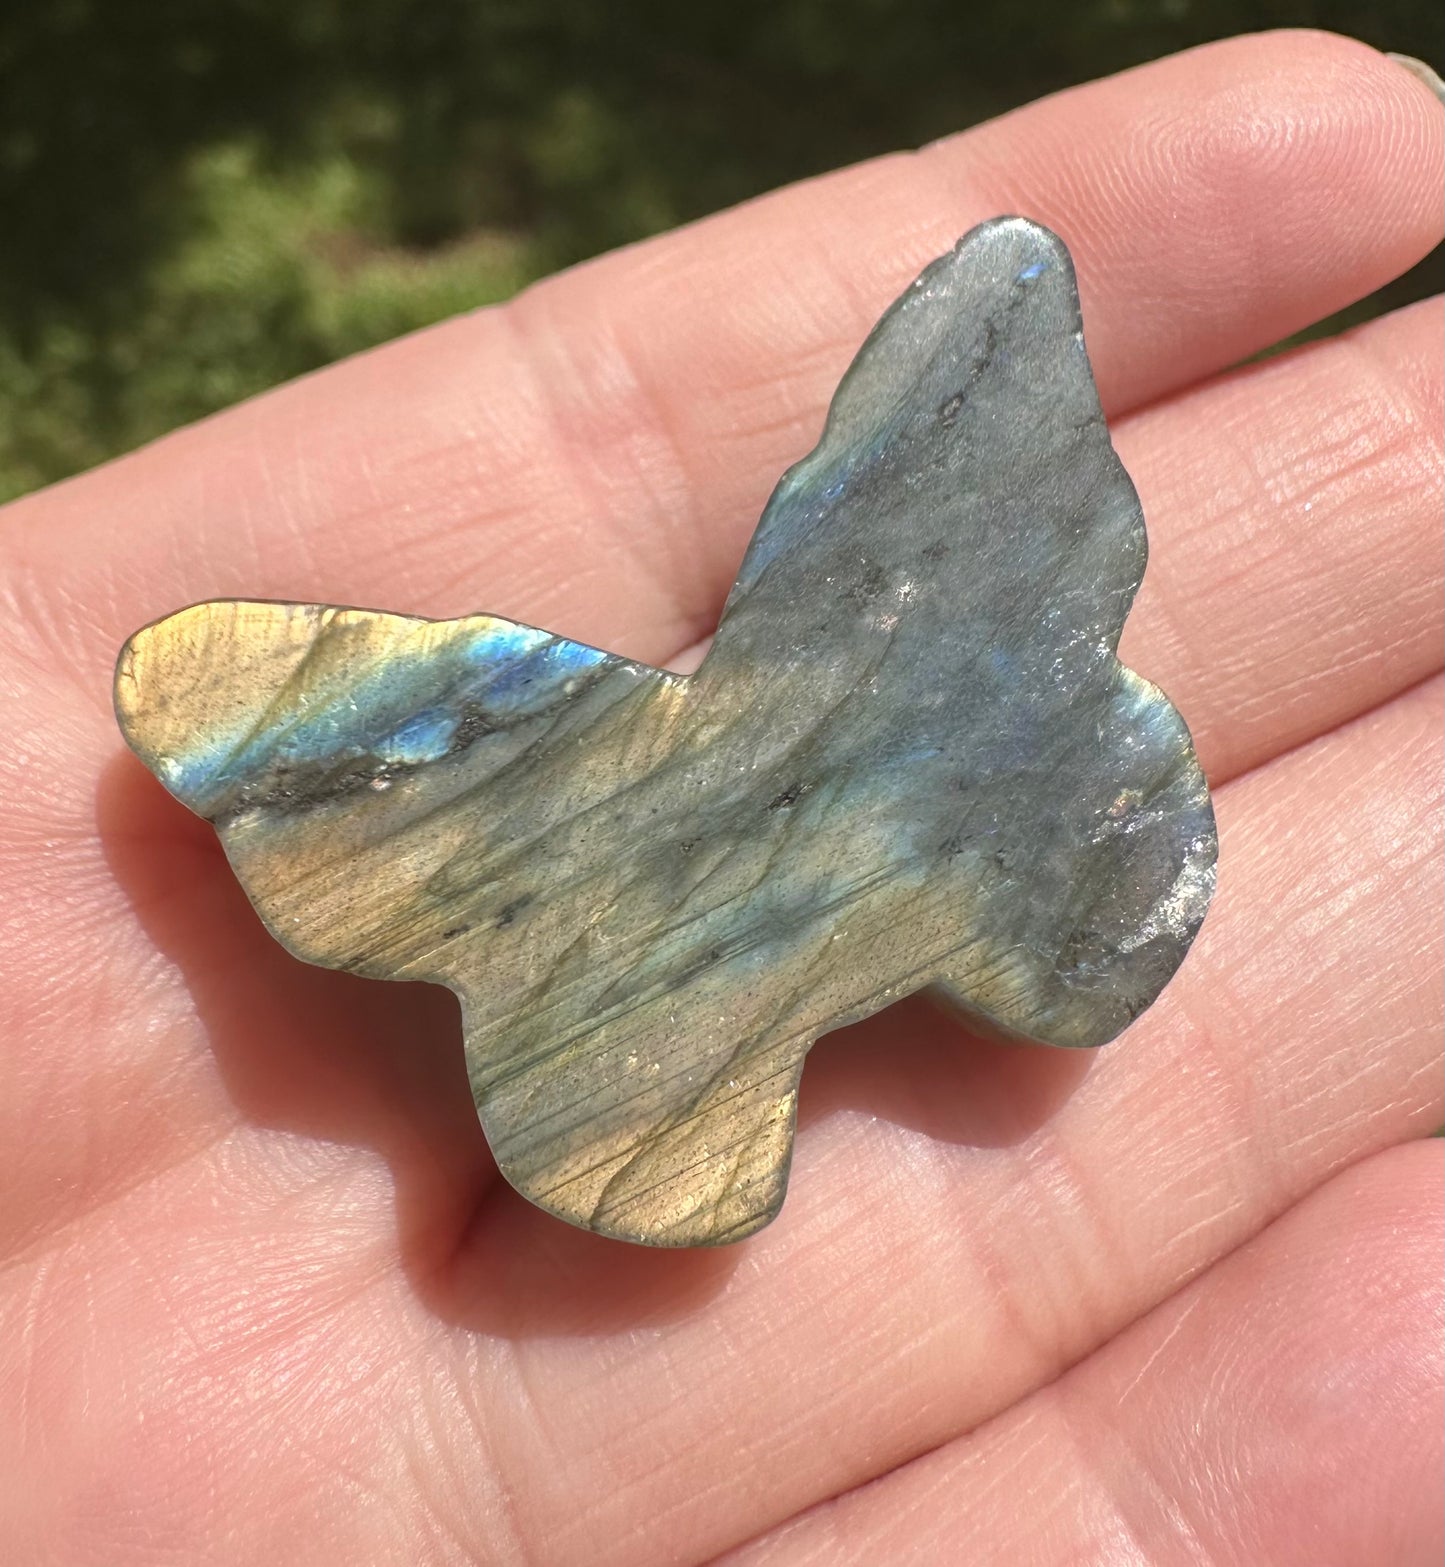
{"type": "Point", "coordinates": [273, 273]}
{"type": "Point", "coordinates": [201, 200]}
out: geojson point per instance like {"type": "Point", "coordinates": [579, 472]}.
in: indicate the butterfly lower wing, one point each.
{"type": "Point", "coordinates": [1086, 920]}
{"type": "Point", "coordinates": [649, 1131]}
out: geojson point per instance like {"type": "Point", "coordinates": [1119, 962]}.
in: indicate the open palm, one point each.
{"type": "Point", "coordinates": [262, 1295]}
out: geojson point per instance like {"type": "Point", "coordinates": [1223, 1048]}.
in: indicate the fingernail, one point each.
{"type": "Point", "coordinates": [1422, 72]}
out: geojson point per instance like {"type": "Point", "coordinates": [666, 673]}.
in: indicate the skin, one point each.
{"type": "Point", "coordinates": [262, 1295]}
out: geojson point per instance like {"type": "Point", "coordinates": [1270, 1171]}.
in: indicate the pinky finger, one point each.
{"type": "Point", "coordinates": [1283, 1408]}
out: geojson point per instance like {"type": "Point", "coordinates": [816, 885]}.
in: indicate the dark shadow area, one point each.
{"type": "Point", "coordinates": [373, 1064]}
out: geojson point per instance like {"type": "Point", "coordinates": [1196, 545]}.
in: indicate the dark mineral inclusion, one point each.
{"type": "Point", "coordinates": [911, 761]}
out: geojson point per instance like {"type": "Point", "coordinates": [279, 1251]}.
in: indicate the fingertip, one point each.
{"type": "Point", "coordinates": [1426, 75]}
{"type": "Point", "coordinates": [1302, 167]}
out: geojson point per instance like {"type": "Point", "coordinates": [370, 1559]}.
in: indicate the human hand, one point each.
{"type": "Point", "coordinates": [263, 1297]}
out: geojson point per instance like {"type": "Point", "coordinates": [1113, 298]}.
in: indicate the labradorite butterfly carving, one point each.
{"type": "Point", "coordinates": [911, 761]}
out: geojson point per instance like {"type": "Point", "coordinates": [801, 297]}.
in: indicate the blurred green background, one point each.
{"type": "Point", "coordinates": [200, 198]}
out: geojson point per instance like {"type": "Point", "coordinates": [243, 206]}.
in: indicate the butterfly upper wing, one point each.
{"type": "Point", "coordinates": [965, 476]}
{"type": "Point", "coordinates": [336, 750]}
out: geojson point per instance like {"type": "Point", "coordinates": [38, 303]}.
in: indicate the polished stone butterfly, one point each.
{"type": "Point", "coordinates": [911, 761]}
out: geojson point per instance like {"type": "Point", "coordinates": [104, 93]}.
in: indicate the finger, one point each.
{"type": "Point", "coordinates": [1285, 1408]}
{"type": "Point", "coordinates": [1298, 582]}
{"type": "Point", "coordinates": [955, 1235]}
{"type": "Point", "coordinates": [593, 457]}
{"type": "Point", "coordinates": [1296, 571]}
